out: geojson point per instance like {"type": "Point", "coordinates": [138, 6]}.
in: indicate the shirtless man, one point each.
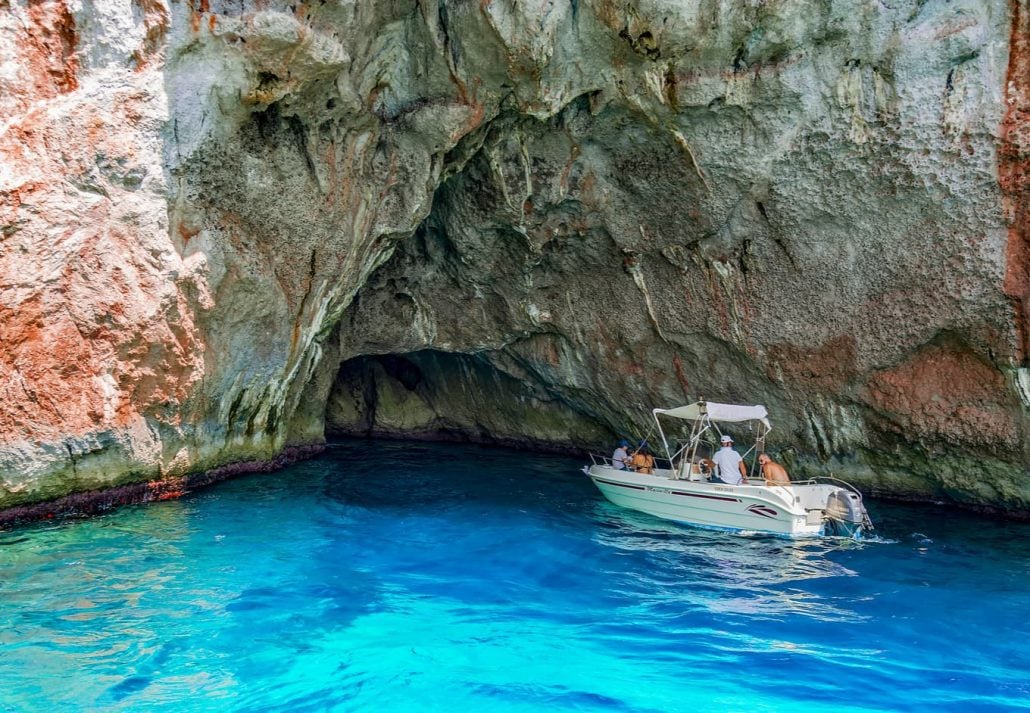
{"type": "Point", "coordinates": [775, 474]}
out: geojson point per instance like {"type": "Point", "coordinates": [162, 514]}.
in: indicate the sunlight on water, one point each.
{"type": "Point", "coordinates": [395, 577]}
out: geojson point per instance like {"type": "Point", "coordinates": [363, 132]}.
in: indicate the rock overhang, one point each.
{"type": "Point", "coordinates": [792, 200]}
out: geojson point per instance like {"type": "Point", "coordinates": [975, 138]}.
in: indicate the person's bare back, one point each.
{"type": "Point", "coordinates": [773, 472]}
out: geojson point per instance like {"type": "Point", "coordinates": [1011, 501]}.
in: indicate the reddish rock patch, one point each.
{"type": "Point", "coordinates": [94, 327]}
{"type": "Point", "coordinates": [156, 22]}
{"type": "Point", "coordinates": [945, 393]}
{"type": "Point", "coordinates": [1014, 171]}
{"type": "Point", "coordinates": [677, 365]}
{"type": "Point", "coordinates": [42, 361]}
{"type": "Point", "coordinates": [829, 366]}
{"type": "Point", "coordinates": [49, 46]}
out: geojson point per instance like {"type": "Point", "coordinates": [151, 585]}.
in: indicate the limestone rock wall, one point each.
{"type": "Point", "coordinates": [813, 203]}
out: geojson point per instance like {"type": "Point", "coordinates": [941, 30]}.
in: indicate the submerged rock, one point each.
{"type": "Point", "coordinates": [228, 227]}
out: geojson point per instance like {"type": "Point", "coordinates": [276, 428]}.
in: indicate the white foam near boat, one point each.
{"type": "Point", "coordinates": [687, 492]}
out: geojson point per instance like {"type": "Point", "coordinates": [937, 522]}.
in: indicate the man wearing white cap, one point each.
{"type": "Point", "coordinates": [731, 465]}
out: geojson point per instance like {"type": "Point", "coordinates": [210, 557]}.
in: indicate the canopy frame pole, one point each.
{"type": "Point", "coordinates": [665, 444]}
{"type": "Point", "coordinates": [684, 455]}
{"type": "Point", "coordinates": [692, 448]}
{"type": "Point", "coordinates": [759, 447]}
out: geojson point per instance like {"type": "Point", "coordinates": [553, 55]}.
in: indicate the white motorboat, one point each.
{"type": "Point", "coordinates": [687, 491]}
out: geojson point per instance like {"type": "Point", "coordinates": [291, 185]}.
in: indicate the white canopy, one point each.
{"type": "Point", "coordinates": [731, 413]}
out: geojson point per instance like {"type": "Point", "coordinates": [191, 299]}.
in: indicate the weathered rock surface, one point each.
{"type": "Point", "coordinates": [226, 226]}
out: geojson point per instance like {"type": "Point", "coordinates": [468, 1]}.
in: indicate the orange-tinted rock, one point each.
{"type": "Point", "coordinates": [827, 368]}
{"type": "Point", "coordinates": [95, 331]}
{"type": "Point", "coordinates": [944, 395]}
{"type": "Point", "coordinates": [156, 23]}
{"type": "Point", "coordinates": [50, 47]}
{"type": "Point", "coordinates": [1014, 170]}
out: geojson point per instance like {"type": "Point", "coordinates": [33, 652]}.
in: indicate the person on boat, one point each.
{"type": "Point", "coordinates": [731, 465]}
{"type": "Point", "coordinates": [620, 458]}
{"type": "Point", "coordinates": [643, 461]}
{"type": "Point", "coordinates": [774, 473]}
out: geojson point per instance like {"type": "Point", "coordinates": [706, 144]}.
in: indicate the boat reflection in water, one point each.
{"type": "Point", "coordinates": [729, 572]}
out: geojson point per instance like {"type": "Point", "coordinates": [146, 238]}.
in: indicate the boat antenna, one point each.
{"type": "Point", "coordinates": [647, 435]}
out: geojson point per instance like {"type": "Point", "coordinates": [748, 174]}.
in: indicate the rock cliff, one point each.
{"type": "Point", "coordinates": [228, 227]}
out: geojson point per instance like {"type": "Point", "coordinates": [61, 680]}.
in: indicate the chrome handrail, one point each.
{"type": "Point", "coordinates": [816, 481]}
{"type": "Point", "coordinates": [598, 459]}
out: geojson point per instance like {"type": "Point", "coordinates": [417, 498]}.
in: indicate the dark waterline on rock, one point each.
{"type": "Point", "coordinates": [416, 576]}
{"type": "Point", "coordinates": [94, 502]}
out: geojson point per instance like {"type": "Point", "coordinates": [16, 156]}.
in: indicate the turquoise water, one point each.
{"type": "Point", "coordinates": [397, 577]}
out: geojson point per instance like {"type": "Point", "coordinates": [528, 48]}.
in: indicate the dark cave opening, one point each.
{"type": "Point", "coordinates": [437, 395]}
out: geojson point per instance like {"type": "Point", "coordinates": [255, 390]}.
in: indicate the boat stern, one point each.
{"type": "Point", "coordinates": [845, 515]}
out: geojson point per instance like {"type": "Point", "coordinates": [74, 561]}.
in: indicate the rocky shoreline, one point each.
{"type": "Point", "coordinates": [95, 502]}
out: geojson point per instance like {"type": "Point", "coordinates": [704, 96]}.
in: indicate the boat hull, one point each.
{"type": "Point", "coordinates": [791, 511]}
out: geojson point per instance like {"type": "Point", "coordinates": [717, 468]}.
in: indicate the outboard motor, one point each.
{"type": "Point", "coordinates": [845, 515]}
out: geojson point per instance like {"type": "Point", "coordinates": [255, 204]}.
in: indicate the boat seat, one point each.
{"type": "Point", "coordinates": [696, 475]}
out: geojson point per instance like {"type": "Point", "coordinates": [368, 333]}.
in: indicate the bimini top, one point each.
{"type": "Point", "coordinates": [731, 413]}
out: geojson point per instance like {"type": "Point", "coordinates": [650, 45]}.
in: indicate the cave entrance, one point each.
{"type": "Point", "coordinates": [437, 395]}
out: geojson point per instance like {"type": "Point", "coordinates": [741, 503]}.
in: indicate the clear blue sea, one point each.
{"type": "Point", "coordinates": [430, 577]}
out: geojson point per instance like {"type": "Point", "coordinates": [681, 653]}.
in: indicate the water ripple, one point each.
{"type": "Point", "coordinates": [426, 577]}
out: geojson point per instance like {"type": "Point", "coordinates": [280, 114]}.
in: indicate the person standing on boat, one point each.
{"type": "Point", "coordinates": [620, 458]}
{"type": "Point", "coordinates": [731, 465]}
{"type": "Point", "coordinates": [775, 474]}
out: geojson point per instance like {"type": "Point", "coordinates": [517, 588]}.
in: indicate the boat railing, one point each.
{"type": "Point", "coordinates": [829, 480]}
{"type": "Point", "coordinates": [659, 463]}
